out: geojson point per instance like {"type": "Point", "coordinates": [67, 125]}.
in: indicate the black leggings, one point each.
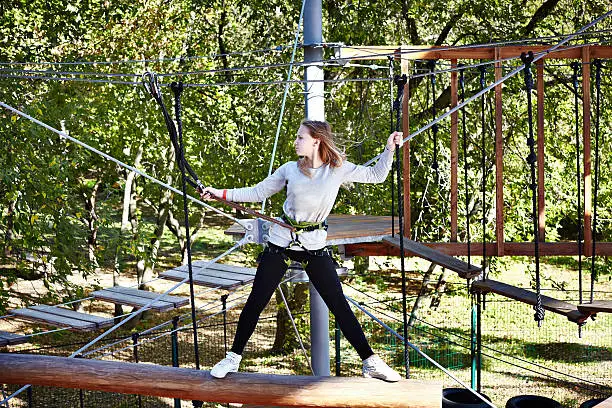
{"type": "Point", "coordinates": [322, 273]}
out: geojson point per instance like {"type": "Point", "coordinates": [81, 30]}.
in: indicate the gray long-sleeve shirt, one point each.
{"type": "Point", "coordinates": [310, 199]}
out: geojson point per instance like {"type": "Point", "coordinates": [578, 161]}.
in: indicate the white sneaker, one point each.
{"type": "Point", "coordinates": [374, 367]}
{"type": "Point", "coordinates": [228, 365]}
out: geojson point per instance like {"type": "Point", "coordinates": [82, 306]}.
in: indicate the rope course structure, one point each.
{"type": "Point", "coordinates": [175, 129]}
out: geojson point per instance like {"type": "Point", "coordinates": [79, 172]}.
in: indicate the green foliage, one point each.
{"type": "Point", "coordinates": [229, 130]}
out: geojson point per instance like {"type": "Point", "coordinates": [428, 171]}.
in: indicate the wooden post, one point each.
{"type": "Point", "coordinates": [499, 158]}
{"type": "Point", "coordinates": [586, 130]}
{"type": "Point", "coordinates": [541, 190]}
{"type": "Point", "coordinates": [405, 64]}
{"type": "Point", "coordinates": [190, 384]}
{"type": "Point", "coordinates": [454, 152]}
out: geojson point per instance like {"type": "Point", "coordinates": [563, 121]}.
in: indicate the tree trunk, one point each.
{"type": "Point", "coordinates": [423, 294]}
{"type": "Point", "coordinates": [439, 289]}
{"type": "Point", "coordinates": [125, 223]}
{"type": "Point", "coordinates": [285, 339]}
{"type": "Point", "coordinates": [92, 218]}
{"type": "Point", "coordinates": [163, 212]}
{"type": "Point", "coordinates": [10, 233]}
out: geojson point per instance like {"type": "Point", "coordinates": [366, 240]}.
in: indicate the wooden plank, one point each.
{"type": "Point", "coordinates": [460, 248]}
{"type": "Point", "coordinates": [586, 130]}
{"type": "Point", "coordinates": [375, 52]}
{"type": "Point", "coordinates": [342, 226]}
{"type": "Point", "coordinates": [412, 52]}
{"type": "Point", "coordinates": [541, 192]}
{"type": "Point", "coordinates": [177, 301]}
{"type": "Point", "coordinates": [604, 306]}
{"type": "Point", "coordinates": [522, 295]}
{"type": "Point", "coordinates": [464, 269]}
{"type": "Point", "coordinates": [605, 404]}
{"type": "Point", "coordinates": [220, 267]}
{"type": "Point", "coordinates": [201, 280]}
{"type": "Point", "coordinates": [220, 273]}
{"type": "Point", "coordinates": [191, 384]}
{"type": "Point", "coordinates": [71, 314]}
{"type": "Point", "coordinates": [11, 339]}
{"type": "Point", "coordinates": [499, 158]}
{"type": "Point", "coordinates": [454, 167]}
{"type": "Point", "coordinates": [53, 319]}
{"type": "Point", "coordinates": [130, 299]}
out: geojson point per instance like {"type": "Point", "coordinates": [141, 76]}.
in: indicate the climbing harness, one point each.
{"type": "Point", "coordinates": [301, 227]}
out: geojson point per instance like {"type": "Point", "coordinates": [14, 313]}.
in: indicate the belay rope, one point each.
{"type": "Point", "coordinates": [576, 66]}
{"type": "Point", "coordinates": [392, 114]}
{"type": "Point", "coordinates": [400, 82]}
{"type": "Point", "coordinates": [598, 64]}
{"type": "Point", "coordinates": [483, 165]}
{"type": "Point", "coordinates": [465, 167]}
{"type": "Point", "coordinates": [151, 84]}
{"type": "Point", "coordinates": [531, 160]}
{"type": "Point", "coordinates": [431, 64]}
{"type": "Point", "coordinates": [176, 136]}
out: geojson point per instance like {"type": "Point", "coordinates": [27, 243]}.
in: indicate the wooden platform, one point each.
{"type": "Point", "coordinates": [139, 298]}
{"type": "Point", "coordinates": [10, 339]}
{"type": "Point", "coordinates": [414, 248]}
{"type": "Point", "coordinates": [217, 275]}
{"type": "Point", "coordinates": [605, 404]}
{"type": "Point", "coordinates": [556, 306]}
{"type": "Point", "coordinates": [346, 229]}
{"type": "Point", "coordinates": [191, 384]}
{"type": "Point", "coordinates": [61, 317]}
{"type": "Point", "coordinates": [598, 306]}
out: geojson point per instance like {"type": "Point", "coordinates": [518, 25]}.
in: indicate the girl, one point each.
{"type": "Point", "coordinates": [312, 186]}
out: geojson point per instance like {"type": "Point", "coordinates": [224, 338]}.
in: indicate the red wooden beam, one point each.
{"type": "Point", "coordinates": [460, 249]}
{"type": "Point", "coordinates": [586, 130]}
{"type": "Point", "coordinates": [499, 159]}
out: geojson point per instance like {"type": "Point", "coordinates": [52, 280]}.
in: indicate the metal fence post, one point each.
{"type": "Point", "coordinates": [135, 342]}
{"type": "Point", "coordinates": [224, 305]}
{"type": "Point", "coordinates": [337, 342]}
{"type": "Point", "coordinates": [175, 351]}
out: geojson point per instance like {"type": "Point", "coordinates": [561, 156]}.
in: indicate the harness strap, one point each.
{"type": "Point", "coordinates": [304, 226]}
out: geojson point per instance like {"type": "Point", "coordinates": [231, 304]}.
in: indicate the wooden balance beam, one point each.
{"type": "Point", "coordinates": [190, 384]}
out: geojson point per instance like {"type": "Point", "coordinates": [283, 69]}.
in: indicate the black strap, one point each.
{"type": "Point", "coordinates": [400, 82]}
{"type": "Point", "coordinates": [465, 166]}
{"type": "Point", "coordinates": [483, 165]}
{"type": "Point", "coordinates": [598, 64]}
{"type": "Point", "coordinates": [431, 64]}
{"type": "Point", "coordinates": [151, 84]}
{"type": "Point", "coordinates": [576, 67]}
{"type": "Point", "coordinates": [527, 58]}
{"type": "Point", "coordinates": [176, 136]}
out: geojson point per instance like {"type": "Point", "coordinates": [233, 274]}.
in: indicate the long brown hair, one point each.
{"type": "Point", "coordinates": [330, 154]}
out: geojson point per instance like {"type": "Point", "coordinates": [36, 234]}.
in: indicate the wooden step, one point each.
{"type": "Point", "coordinates": [10, 339]}
{"type": "Point", "coordinates": [216, 275]}
{"type": "Point", "coordinates": [59, 316]}
{"type": "Point", "coordinates": [522, 295]}
{"type": "Point", "coordinates": [598, 306]}
{"type": "Point", "coordinates": [140, 298]}
{"type": "Point", "coordinates": [411, 247]}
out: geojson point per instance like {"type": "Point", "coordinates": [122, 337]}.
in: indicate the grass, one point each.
{"type": "Point", "coordinates": [509, 331]}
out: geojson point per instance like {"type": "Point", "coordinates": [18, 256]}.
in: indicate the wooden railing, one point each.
{"type": "Point", "coordinates": [500, 247]}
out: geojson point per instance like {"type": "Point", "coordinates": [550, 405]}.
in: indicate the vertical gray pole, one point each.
{"type": "Point", "coordinates": [315, 110]}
